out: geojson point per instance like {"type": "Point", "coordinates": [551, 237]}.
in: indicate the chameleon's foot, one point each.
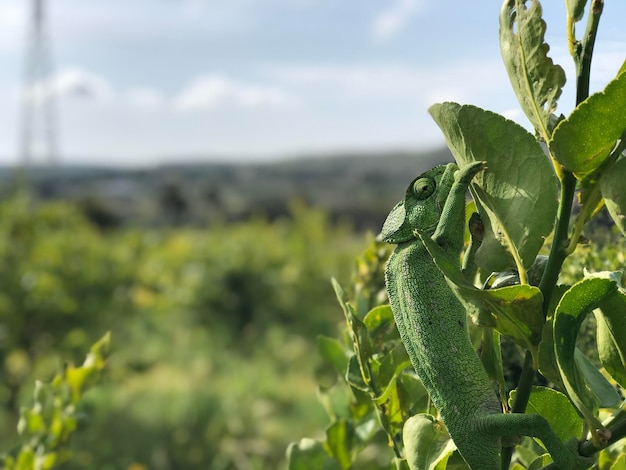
{"type": "Point", "coordinates": [466, 173]}
{"type": "Point", "coordinates": [578, 462]}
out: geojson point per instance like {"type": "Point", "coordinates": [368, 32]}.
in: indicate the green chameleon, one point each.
{"type": "Point", "coordinates": [432, 325]}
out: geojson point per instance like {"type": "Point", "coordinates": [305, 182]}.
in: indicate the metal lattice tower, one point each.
{"type": "Point", "coordinates": [38, 132]}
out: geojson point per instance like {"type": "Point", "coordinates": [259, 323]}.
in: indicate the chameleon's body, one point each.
{"type": "Point", "coordinates": [432, 323]}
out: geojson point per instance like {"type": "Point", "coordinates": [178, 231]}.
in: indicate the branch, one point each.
{"type": "Point", "coordinates": [583, 54]}
{"type": "Point", "coordinates": [618, 431]}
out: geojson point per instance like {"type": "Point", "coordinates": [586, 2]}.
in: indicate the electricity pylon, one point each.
{"type": "Point", "coordinates": [39, 127]}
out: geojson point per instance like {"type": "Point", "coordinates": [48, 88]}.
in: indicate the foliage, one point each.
{"type": "Point", "coordinates": [369, 389]}
{"type": "Point", "coordinates": [61, 285]}
{"type": "Point", "coordinates": [46, 427]}
{"type": "Point", "coordinates": [213, 364]}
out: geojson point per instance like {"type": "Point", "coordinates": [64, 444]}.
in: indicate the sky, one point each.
{"type": "Point", "coordinates": [143, 82]}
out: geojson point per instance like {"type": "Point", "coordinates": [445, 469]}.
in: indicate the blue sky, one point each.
{"type": "Point", "coordinates": [150, 81]}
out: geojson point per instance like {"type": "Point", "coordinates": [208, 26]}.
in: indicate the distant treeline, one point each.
{"type": "Point", "coordinates": [355, 189]}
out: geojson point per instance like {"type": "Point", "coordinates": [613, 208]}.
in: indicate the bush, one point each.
{"type": "Point", "coordinates": [211, 363]}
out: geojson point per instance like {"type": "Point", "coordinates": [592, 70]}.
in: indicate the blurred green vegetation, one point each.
{"type": "Point", "coordinates": [213, 331]}
{"type": "Point", "coordinates": [214, 353]}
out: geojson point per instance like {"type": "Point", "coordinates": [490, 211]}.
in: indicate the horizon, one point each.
{"type": "Point", "coordinates": [200, 160]}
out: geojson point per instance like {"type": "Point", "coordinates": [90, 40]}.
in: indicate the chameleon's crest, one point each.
{"type": "Point", "coordinates": [422, 204]}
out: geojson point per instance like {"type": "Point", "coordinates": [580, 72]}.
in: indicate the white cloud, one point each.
{"type": "Point", "coordinates": [213, 91]}
{"type": "Point", "coordinates": [145, 97]}
{"type": "Point", "coordinates": [391, 21]}
{"type": "Point", "coordinates": [76, 82]}
{"type": "Point", "coordinates": [72, 82]}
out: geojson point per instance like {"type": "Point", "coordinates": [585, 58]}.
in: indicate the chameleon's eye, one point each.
{"type": "Point", "coordinates": [423, 188]}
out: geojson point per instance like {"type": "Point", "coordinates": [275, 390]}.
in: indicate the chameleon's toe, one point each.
{"type": "Point", "coordinates": [580, 462]}
{"type": "Point", "coordinates": [466, 173]}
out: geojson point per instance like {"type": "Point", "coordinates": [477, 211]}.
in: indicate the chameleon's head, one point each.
{"type": "Point", "coordinates": [422, 205]}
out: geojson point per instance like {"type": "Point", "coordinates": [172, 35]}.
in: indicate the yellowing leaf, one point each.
{"type": "Point", "coordinates": [536, 80]}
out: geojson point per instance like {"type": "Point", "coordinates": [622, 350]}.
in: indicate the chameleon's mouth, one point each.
{"type": "Point", "coordinates": [429, 230]}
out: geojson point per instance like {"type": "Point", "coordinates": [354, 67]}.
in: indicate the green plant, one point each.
{"type": "Point", "coordinates": [213, 326]}
{"type": "Point", "coordinates": [45, 428]}
{"type": "Point", "coordinates": [216, 367]}
{"type": "Point", "coordinates": [522, 197]}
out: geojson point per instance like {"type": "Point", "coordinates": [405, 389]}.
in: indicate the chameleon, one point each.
{"type": "Point", "coordinates": [432, 325]}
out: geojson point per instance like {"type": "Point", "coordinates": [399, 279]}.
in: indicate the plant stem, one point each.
{"type": "Point", "coordinates": [587, 448]}
{"type": "Point", "coordinates": [594, 197]}
{"type": "Point", "coordinates": [559, 251]}
{"type": "Point", "coordinates": [583, 54]}
{"type": "Point", "coordinates": [558, 254]}
{"type": "Point", "coordinates": [522, 395]}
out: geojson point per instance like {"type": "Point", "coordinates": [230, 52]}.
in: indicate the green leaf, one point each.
{"type": "Point", "coordinates": [589, 198]}
{"type": "Point", "coordinates": [26, 459]}
{"type": "Point", "coordinates": [536, 80]}
{"type": "Point", "coordinates": [48, 461]}
{"type": "Point", "coordinates": [426, 442]}
{"type": "Point", "coordinates": [307, 454]}
{"type": "Point", "coordinates": [611, 336]}
{"type": "Point", "coordinates": [557, 409]}
{"type": "Point", "coordinates": [87, 375]}
{"type": "Point", "coordinates": [360, 406]}
{"type": "Point", "coordinates": [358, 331]}
{"type": "Point", "coordinates": [412, 394]}
{"type": "Point", "coordinates": [598, 384]}
{"type": "Point", "coordinates": [547, 360]}
{"type": "Point", "coordinates": [354, 375]}
{"type": "Point", "coordinates": [575, 304]}
{"type": "Point", "coordinates": [620, 463]}
{"type": "Point", "coordinates": [393, 410]}
{"type": "Point", "coordinates": [49, 423]}
{"type": "Point", "coordinates": [614, 192]}
{"type": "Point", "coordinates": [333, 352]}
{"type": "Point", "coordinates": [514, 311]}
{"type": "Point", "coordinates": [527, 451]}
{"type": "Point", "coordinates": [399, 464]}
{"type": "Point", "coordinates": [491, 357]}
{"type": "Point", "coordinates": [358, 334]}
{"type": "Point", "coordinates": [381, 324]}
{"type": "Point", "coordinates": [576, 8]}
{"type": "Point", "coordinates": [367, 429]}
{"type": "Point", "coordinates": [516, 195]}
{"type": "Point", "coordinates": [583, 140]}
{"type": "Point", "coordinates": [340, 442]}
{"type": "Point", "coordinates": [390, 367]}
{"type": "Point", "coordinates": [454, 462]}
{"type": "Point", "coordinates": [540, 462]}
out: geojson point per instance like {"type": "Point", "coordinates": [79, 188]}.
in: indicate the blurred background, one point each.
{"type": "Point", "coordinates": [189, 175]}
